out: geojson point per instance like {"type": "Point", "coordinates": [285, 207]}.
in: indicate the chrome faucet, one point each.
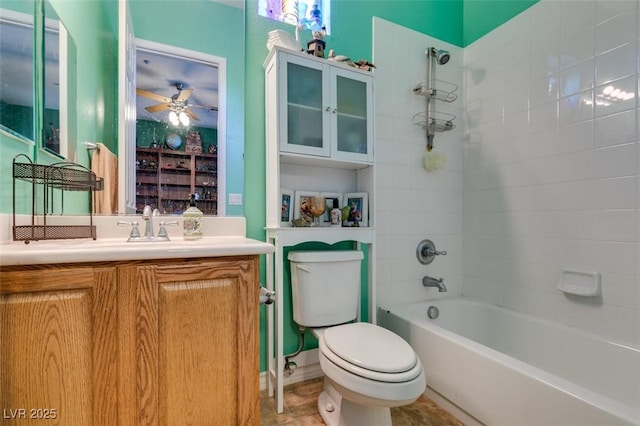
{"type": "Point", "coordinates": [428, 281]}
{"type": "Point", "coordinates": [147, 216]}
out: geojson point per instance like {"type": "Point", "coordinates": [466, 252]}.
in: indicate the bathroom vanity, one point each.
{"type": "Point", "coordinates": [165, 340]}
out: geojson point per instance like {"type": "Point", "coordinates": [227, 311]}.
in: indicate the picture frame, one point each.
{"type": "Point", "coordinates": [301, 200]}
{"type": "Point", "coordinates": [287, 201]}
{"type": "Point", "coordinates": [328, 201]}
{"type": "Point", "coordinates": [359, 208]}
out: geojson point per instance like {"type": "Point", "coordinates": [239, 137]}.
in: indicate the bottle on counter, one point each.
{"type": "Point", "coordinates": [192, 220]}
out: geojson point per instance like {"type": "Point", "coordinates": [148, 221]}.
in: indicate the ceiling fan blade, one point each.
{"type": "Point", "coordinates": [191, 114]}
{"type": "Point", "coordinates": [157, 108]}
{"type": "Point", "coordinates": [210, 108]}
{"type": "Point", "coordinates": [152, 95]}
{"type": "Point", "coordinates": [184, 95]}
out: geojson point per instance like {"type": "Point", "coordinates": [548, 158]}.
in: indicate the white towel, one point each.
{"type": "Point", "coordinates": [104, 164]}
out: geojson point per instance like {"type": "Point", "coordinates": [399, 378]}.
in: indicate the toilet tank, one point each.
{"type": "Point", "coordinates": [325, 286]}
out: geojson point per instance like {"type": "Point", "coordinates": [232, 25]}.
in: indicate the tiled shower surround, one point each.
{"type": "Point", "coordinates": [542, 169]}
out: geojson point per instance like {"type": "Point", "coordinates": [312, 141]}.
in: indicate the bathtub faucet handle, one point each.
{"type": "Point", "coordinates": [431, 252]}
{"type": "Point", "coordinates": [426, 252]}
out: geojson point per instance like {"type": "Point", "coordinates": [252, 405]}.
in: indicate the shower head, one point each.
{"type": "Point", "coordinates": [441, 56]}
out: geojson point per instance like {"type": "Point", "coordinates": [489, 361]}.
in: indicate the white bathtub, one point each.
{"type": "Point", "coordinates": [506, 368]}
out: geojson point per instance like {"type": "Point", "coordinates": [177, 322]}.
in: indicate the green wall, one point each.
{"type": "Point", "coordinates": [147, 131]}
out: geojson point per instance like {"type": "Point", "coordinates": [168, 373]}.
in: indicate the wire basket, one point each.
{"type": "Point", "coordinates": [64, 176]}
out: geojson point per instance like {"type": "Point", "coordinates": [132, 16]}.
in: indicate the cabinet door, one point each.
{"type": "Point", "coordinates": [58, 345]}
{"type": "Point", "coordinates": [351, 121]}
{"type": "Point", "coordinates": [304, 105]}
{"type": "Point", "coordinates": [194, 342]}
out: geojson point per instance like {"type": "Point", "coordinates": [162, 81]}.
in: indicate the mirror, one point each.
{"type": "Point", "coordinates": [16, 68]}
{"type": "Point", "coordinates": [178, 94]}
{"type": "Point", "coordinates": [53, 86]}
{"type": "Point", "coordinates": [18, 95]}
{"type": "Point", "coordinates": [216, 29]}
{"type": "Point", "coordinates": [212, 27]}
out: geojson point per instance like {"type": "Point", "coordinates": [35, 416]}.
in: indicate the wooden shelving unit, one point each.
{"type": "Point", "coordinates": [165, 178]}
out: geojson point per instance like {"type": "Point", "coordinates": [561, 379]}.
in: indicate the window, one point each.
{"type": "Point", "coordinates": [313, 14]}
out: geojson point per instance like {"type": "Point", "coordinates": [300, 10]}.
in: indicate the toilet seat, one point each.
{"type": "Point", "coordinates": [371, 352]}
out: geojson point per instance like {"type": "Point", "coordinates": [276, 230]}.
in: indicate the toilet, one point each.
{"type": "Point", "coordinates": [368, 369]}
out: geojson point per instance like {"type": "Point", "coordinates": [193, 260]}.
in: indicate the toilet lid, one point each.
{"type": "Point", "coordinates": [370, 347]}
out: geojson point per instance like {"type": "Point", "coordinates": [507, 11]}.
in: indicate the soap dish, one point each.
{"type": "Point", "coordinates": [580, 283]}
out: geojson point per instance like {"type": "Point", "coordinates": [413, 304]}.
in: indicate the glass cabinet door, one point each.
{"type": "Point", "coordinates": [305, 125]}
{"type": "Point", "coordinates": [352, 130]}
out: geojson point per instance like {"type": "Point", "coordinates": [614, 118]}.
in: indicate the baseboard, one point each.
{"type": "Point", "coordinates": [308, 368]}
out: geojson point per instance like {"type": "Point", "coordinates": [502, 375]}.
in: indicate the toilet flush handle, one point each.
{"type": "Point", "coordinates": [303, 268]}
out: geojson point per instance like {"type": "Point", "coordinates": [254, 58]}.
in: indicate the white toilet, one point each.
{"type": "Point", "coordinates": [368, 369]}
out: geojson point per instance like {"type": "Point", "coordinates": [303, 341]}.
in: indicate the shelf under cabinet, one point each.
{"type": "Point", "coordinates": [290, 235]}
{"type": "Point", "coordinates": [314, 160]}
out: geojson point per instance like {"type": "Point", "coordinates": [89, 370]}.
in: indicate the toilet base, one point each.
{"type": "Point", "coordinates": [338, 411]}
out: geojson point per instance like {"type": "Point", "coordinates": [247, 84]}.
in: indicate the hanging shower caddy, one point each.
{"type": "Point", "coordinates": [62, 176]}
{"type": "Point", "coordinates": [432, 120]}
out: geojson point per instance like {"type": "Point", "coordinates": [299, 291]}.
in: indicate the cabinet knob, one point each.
{"type": "Point", "coordinates": [328, 109]}
{"type": "Point", "coordinates": [335, 110]}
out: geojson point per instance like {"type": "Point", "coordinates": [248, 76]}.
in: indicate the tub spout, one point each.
{"type": "Point", "coordinates": [428, 281]}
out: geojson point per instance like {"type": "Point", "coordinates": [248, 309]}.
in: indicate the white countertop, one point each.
{"type": "Point", "coordinates": [112, 249]}
{"type": "Point", "coordinates": [227, 240]}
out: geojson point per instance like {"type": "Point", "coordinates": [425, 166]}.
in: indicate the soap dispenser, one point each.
{"type": "Point", "coordinates": [192, 220]}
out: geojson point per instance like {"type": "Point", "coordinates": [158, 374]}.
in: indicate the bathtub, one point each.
{"type": "Point", "coordinates": [506, 368]}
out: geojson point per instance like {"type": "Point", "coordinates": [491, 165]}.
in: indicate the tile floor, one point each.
{"type": "Point", "coordinates": [300, 409]}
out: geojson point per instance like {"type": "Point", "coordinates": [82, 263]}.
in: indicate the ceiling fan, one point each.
{"type": "Point", "coordinates": [178, 104]}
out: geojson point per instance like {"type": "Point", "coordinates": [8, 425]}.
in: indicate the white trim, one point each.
{"type": "Point", "coordinates": [17, 18]}
{"type": "Point", "coordinates": [67, 150]}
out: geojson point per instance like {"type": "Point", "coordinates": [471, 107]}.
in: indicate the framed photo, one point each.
{"type": "Point", "coordinates": [286, 210]}
{"type": "Point", "coordinates": [358, 203]}
{"type": "Point", "coordinates": [303, 204]}
{"type": "Point", "coordinates": [329, 197]}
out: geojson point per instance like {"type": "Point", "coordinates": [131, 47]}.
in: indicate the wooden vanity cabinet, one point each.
{"type": "Point", "coordinates": [162, 342]}
{"type": "Point", "coordinates": [58, 345]}
{"type": "Point", "coordinates": [189, 342]}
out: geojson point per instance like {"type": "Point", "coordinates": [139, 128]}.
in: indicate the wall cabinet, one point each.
{"type": "Point", "coordinates": [166, 178]}
{"type": "Point", "coordinates": [132, 343]}
{"type": "Point", "coordinates": [323, 109]}
{"type": "Point", "coordinates": [319, 135]}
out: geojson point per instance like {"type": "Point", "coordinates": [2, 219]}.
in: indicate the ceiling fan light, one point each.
{"type": "Point", "coordinates": [173, 118]}
{"type": "Point", "coordinates": [184, 119]}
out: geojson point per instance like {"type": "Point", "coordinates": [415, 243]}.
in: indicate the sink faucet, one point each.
{"type": "Point", "coordinates": [147, 216]}
{"type": "Point", "coordinates": [428, 281]}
